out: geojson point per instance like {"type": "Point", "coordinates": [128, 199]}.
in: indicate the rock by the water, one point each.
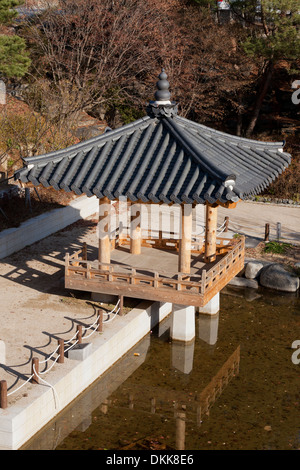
{"type": "Point", "coordinates": [243, 282]}
{"type": "Point", "coordinates": [253, 269]}
{"type": "Point", "coordinates": [275, 276]}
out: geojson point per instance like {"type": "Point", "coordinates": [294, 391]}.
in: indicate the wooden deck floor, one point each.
{"type": "Point", "coordinates": [156, 259]}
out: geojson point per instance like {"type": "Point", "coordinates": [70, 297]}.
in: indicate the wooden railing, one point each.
{"type": "Point", "coordinates": [77, 266]}
{"type": "Point", "coordinates": [223, 269]}
{"type": "Point", "coordinates": [172, 243]}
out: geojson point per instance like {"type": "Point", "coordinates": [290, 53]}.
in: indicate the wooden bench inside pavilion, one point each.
{"type": "Point", "coordinates": [160, 160]}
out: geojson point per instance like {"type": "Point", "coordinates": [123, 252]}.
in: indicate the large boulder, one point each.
{"type": "Point", "coordinates": [253, 269]}
{"type": "Point", "coordinates": [275, 276]}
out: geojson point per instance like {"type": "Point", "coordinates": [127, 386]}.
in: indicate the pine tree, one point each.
{"type": "Point", "coordinates": [14, 60]}
{"type": "Point", "coordinates": [7, 11]}
{"type": "Point", "coordinates": [274, 36]}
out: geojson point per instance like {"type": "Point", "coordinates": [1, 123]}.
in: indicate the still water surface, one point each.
{"type": "Point", "coordinates": [234, 387]}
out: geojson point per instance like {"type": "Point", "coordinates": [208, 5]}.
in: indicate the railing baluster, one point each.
{"type": "Point", "coordinates": [67, 264]}
{"type": "Point", "coordinates": [179, 278]}
{"type": "Point", "coordinates": [156, 280]}
{"type": "Point", "coordinates": [203, 281]}
{"type": "Point", "coordinates": [88, 271]}
{"type": "Point", "coordinates": [84, 254]}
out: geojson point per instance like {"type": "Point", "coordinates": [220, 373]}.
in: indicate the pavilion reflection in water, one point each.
{"type": "Point", "coordinates": [155, 401]}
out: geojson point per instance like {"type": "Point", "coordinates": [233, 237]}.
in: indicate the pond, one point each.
{"type": "Point", "coordinates": [234, 388]}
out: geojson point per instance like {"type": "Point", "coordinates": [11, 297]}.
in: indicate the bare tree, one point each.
{"type": "Point", "coordinates": [98, 52]}
{"type": "Point", "coordinates": [92, 50]}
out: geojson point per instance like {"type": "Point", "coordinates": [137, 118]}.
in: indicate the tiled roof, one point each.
{"type": "Point", "coordinates": [161, 158]}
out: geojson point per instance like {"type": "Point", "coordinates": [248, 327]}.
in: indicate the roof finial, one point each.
{"type": "Point", "coordinates": [162, 106]}
{"type": "Point", "coordinates": [162, 93]}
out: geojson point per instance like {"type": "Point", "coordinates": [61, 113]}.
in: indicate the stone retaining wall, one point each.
{"type": "Point", "coordinates": [33, 230]}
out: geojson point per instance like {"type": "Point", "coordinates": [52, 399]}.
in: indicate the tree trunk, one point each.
{"type": "Point", "coordinates": [266, 80]}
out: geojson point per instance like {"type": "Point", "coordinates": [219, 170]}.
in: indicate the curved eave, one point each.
{"type": "Point", "coordinates": [168, 160]}
{"type": "Point", "coordinates": [255, 164]}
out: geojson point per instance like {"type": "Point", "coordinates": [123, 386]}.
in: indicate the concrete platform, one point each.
{"type": "Point", "coordinates": [64, 383]}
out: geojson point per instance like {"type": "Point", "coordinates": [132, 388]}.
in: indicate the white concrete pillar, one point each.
{"type": "Point", "coordinates": [159, 311]}
{"type": "Point", "coordinates": [183, 322]}
{"type": "Point", "coordinates": [212, 307]}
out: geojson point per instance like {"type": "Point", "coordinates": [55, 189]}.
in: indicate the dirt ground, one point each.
{"type": "Point", "coordinates": [35, 308]}
{"type": "Point", "coordinates": [289, 257]}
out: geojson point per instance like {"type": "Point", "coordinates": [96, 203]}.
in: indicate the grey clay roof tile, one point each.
{"type": "Point", "coordinates": [161, 158]}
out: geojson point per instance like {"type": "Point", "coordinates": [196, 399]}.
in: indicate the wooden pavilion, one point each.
{"type": "Point", "coordinates": [162, 159]}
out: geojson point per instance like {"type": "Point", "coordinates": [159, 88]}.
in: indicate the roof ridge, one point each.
{"type": "Point", "coordinates": [193, 151]}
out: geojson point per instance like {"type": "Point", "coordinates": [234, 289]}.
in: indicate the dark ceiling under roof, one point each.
{"type": "Point", "coordinates": [161, 158]}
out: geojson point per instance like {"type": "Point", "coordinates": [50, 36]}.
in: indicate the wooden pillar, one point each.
{"type": "Point", "coordinates": [184, 261]}
{"type": "Point", "coordinates": [267, 232]}
{"type": "Point", "coordinates": [135, 229]}
{"type": "Point", "coordinates": [210, 232]}
{"type": "Point", "coordinates": [104, 230]}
